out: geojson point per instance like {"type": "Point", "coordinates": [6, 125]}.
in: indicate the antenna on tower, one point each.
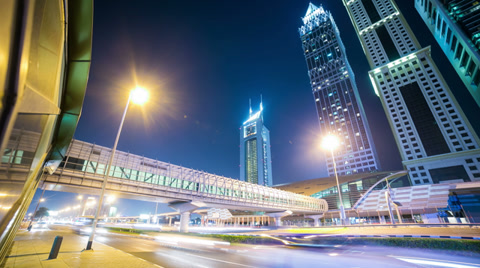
{"type": "Point", "coordinates": [261, 102]}
{"type": "Point", "coordinates": [250, 102]}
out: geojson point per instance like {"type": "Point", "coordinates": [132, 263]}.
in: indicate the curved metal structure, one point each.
{"type": "Point", "coordinates": [45, 53]}
{"type": "Point", "coordinates": [390, 177]}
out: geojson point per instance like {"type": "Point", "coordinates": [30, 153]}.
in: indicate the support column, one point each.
{"type": "Point", "coordinates": [278, 216]}
{"type": "Point", "coordinates": [316, 219]}
{"type": "Point", "coordinates": [184, 221]}
{"type": "Point", "coordinates": [278, 221]}
{"type": "Point", "coordinates": [185, 208]}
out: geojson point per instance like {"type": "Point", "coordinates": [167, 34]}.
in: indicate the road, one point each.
{"type": "Point", "coordinates": [184, 251]}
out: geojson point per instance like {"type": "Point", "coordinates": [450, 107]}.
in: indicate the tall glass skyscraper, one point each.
{"type": "Point", "coordinates": [456, 27]}
{"type": "Point", "coordinates": [255, 156]}
{"type": "Point", "coordinates": [435, 139]}
{"type": "Point", "coordinates": [338, 103]}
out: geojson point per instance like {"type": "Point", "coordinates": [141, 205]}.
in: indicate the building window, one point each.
{"type": "Point", "coordinates": [449, 173]}
{"type": "Point", "coordinates": [424, 121]}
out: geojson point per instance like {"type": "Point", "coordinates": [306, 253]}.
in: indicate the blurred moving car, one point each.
{"type": "Point", "coordinates": [83, 225]}
{"type": "Point", "coordinates": [40, 225]}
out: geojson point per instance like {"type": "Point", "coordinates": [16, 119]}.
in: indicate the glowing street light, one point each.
{"type": "Point", "coordinates": [138, 96]}
{"type": "Point", "coordinates": [110, 199]}
{"type": "Point", "coordinates": [42, 199]}
{"type": "Point", "coordinates": [330, 143]}
{"type": "Point", "coordinates": [80, 197]}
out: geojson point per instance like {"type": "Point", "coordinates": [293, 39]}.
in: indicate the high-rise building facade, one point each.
{"type": "Point", "coordinates": [456, 27]}
{"type": "Point", "coordinates": [255, 156]}
{"type": "Point", "coordinates": [434, 137]}
{"type": "Point", "coordinates": [336, 96]}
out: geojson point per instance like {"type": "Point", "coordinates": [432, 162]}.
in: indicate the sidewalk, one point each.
{"type": "Point", "coordinates": [31, 249]}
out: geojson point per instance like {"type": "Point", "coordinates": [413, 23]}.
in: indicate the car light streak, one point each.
{"type": "Point", "coordinates": [440, 263]}
{"type": "Point", "coordinates": [229, 262]}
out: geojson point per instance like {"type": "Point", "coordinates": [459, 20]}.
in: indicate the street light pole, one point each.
{"type": "Point", "coordinates": [330, 142]}
{"type": "Point", "coordinates": [342, 210]}
{"type": "Point", "coordinates": [110, 161]}
{"type": "Point", "coordinates": [36, 208]}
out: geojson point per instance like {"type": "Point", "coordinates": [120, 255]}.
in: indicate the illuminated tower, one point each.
{"type": "Point", "coordinates": [456, 27]}
{"type": "Point", "coordinates": [338, 103]}
{"type": "Point", "coordinates": [435, 139]}
{"type": "Point", "coordinates": [255, 157]}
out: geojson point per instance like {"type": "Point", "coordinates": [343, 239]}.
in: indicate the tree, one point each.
{"type": "Point", "coordinates": [41, 212]}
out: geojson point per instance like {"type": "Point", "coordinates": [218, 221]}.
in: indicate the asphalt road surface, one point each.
{"type": "Point", "coordinates": [180, 251]}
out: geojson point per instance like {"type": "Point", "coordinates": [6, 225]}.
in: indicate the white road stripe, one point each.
{"type": "Point", "coordinates": [179, 259]}
{"type": "Point", "coordinates": [234, 263]}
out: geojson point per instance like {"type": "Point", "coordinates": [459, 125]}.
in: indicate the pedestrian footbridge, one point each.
{"type": "Point", "coordinates": [136, 177]}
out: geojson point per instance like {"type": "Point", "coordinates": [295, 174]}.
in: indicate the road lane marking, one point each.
{"type": "Point", "coordinates": [182, 260]}
{"type": "Point", "coordinates": [442, 263]}
{"type": "Point", "coordinates": [234, 263]}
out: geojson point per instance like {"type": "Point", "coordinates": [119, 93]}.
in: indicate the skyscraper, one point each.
{"type": "Point", "coordinates": [434, 137]}
{"type": "Point", "coordinates": [255, 157]}
{"type": "Point", "coordinates": [455, 25]}
{"type": "Point", "coordinates": [335, 92]}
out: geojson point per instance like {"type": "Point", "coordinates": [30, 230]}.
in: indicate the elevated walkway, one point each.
{"type": "Point", "coordinates": [137, 177]}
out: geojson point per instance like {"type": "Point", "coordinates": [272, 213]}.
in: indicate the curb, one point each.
{"type": "Point", "coordinates": [383, 236]}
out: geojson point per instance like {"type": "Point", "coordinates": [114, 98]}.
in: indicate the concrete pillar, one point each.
{"type": "Point", "coordinates": [316, 219]}
{"type": "Point", "coordinates": [278, 216]}
{"type": "Point", "coordinates": [278, 221]}
{"type": "Point", "coordinates": [184, 221]}
{"type": "Point", "coordinates": [185, 208]}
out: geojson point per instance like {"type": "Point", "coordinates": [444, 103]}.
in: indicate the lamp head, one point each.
{"type": "Point", "coordinates": [139, 95]}
{"type": "Point", "coordinates": [330, 142]}
{"type": "Point", "coordinates": [110, 199]}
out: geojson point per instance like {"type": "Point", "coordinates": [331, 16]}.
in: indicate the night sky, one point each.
{"type": "Point", "coordinates": [203, 60]}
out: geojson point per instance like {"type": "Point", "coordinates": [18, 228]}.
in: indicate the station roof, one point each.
{"type": "Point", "coordinates": [310, 187]}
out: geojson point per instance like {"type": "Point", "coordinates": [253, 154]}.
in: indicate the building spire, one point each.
{"type": "Point", "coordinates": [261, 103]}
{"type": "Point", "coordinates": [312, 12]}
{"type": "Point", "coordinates": [250, 102]}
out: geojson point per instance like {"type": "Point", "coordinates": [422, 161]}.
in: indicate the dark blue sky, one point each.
{"type": "Point", "coordinates": [203, 60]}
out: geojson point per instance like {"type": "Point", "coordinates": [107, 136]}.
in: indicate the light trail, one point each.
{"type": "Point", "coordinates": [440, 263]}
{"type": "Point", "coordinates": [234, 263]}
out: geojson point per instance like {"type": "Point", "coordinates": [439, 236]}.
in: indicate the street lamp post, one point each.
{"type": "Point", "coordinates": [388, 199]}
{"type": "Point", "coordinates": [138, 96]}
{"type": "Point", "coordinates": [330, 143]}
{"type": "Point", "coordinates": [36, 208]}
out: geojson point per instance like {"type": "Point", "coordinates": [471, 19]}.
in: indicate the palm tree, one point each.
{"type": "Point", "coordinates": [41, 212]}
